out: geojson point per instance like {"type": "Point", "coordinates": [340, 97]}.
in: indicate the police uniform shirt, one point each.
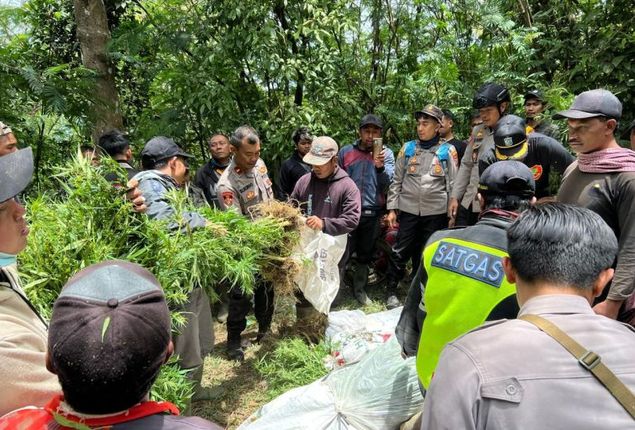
{"type": "Point", "coordinates": [242, 190]}
{"type": "Point", "coordinates": [509, 375]}
{"type": "Point", "coordinates": [421, 182]}
{"type": "Point", "coordinates": [466, 184]}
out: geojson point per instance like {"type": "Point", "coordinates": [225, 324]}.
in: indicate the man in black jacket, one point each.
{"type": "Point", "coordinates": [207, 175]}
{"type": "Point", "coordinates": [538, 152]}
{"type": "Point", "coordinates": [116, 145]}
{"type": "Point", "coordinates": [293, 168]}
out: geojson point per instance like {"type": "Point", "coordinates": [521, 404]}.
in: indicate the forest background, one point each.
{"type": "Point", "coordinates": [71, 69]}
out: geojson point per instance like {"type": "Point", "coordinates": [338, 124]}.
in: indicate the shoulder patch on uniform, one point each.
{"type": "Point", "coordinates": [228, 198]}
{"type": "Point", "coordinates": [536, 171]}
{"type": "Point", "coordinates": [475, 264]}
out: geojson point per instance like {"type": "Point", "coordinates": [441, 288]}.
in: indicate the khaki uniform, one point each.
{"type": "Point", "coordinates": [466, 183]}
{"type": "Point", "coordinates": [421, 183]}
{"type": "Point", "coordinates": [242, 190]}
{"type": "Point", "coordinates": [510, 375]}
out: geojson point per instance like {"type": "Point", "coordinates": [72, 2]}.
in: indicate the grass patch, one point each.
{"type": "Point", "coordinates": [291, 364]}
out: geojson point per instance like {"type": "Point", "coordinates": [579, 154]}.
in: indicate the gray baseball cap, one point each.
{"type": "Point", "coordinates": [16, 170]}
{"type": "Point", "coordinates": [160, 148]}
{"type": "Point", "coordinates": [593, 103]}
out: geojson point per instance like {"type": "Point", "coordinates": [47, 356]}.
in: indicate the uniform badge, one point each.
{"type": "Point", "coordinates": [262, 170]}
{"type": "Point", "coordinates": [536, 171]}
{"type": "Point", "coordinates": [436, 168]}
{"type": "Point", "coordinates": [228, 198]}
{"type": "Point", "coordinates": [412, 169]}
{"type": "Point", "coordinates": [413, 160]}
{"type": "Point", "coordinates": [250, 195]}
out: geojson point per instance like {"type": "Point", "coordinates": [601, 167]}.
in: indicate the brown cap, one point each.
{"type": "Point", "coordinates": [323, 148]}
{"type": "Point", "coordinates": [431, 111]}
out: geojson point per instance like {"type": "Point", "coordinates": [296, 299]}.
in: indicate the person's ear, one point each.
{"type": "Point", "coordinates": [503, 108]}
{"type": "Point", "coordinates": [49, 364]}
{"type": "Point", "coordinates": [172, 162]}
{"type": "Point", "coordinates": [510, 272]}
{"type": "Point", "coordinates": [481, 201]}
{"type": "Point", "coordinates": [602, 280]}
{"type": "Point", "coordinates": [611, 124]}
{"type": "Point", "coordinates": [169, 351]}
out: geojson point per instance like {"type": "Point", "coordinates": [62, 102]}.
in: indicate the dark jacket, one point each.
{"type": "Point", "coordinates": [543, 154]}
{"type": "Point", "coordinates": [491, 231]}
{"type": "Point", "coordinates": [206, 179]}
{"type": "Point", "coordinates": [291, 170]}
{"type": "Point", "coordinates": [335, 200]}
{"type": "Point", "coordinates": [373, 183]}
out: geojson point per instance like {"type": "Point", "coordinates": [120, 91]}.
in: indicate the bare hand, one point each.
{"type": "Point", "coordinates": [608, 308]}
{"type": "Point", "coordinates": [451, 222]}
{"type": "Point", "coordinates": [453, 206]}
{"type": "Point", "coordinates": [379, 160]}
{"type": "Point", "coordinates": [133, 195]}
{"type": "Point", "coordinates": [391, 218]}
{"type": "Point", "coordinates": [315, 223]}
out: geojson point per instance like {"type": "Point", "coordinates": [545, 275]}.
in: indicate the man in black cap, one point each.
{"type": "Point", "coordinates": [460, 283]}
{"type": "Point", "coordinates": [108, 338]}
{"type": "Point", "coordinates": [424, 174]}
{"type": "Point", "coordinates": [22, 331]}
{"type": "Point", "coordinates": [166, 170]}
{"type": "Point", "coordinates": [293, 168]}
{"type": "Point", "coordinates": [116, 145]}
{"type": "Point", "coordinates": [538, 152]}
{"type": "Point", "coordinates": [603, 180]}
{"type": "Point", "coordinates": [372, 171]}
{"type": "Point", "coordinates": [493, 102]}
{"type": "Point", "coordinates": [535, 105]}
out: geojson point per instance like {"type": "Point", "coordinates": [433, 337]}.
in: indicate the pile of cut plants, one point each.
{"type": "Point", "coordinates": [85, 220]}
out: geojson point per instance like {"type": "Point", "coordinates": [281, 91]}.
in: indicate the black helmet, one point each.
{"type": "Point", "coordinates": [535, 94]}
{"type": "Point", "coordinates": [490, 94]}
{"type": "Point", "coordinates": [510, 138]}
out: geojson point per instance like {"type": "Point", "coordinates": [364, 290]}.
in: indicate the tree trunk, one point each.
{"type": "Point", "coordinates": [93, 35]}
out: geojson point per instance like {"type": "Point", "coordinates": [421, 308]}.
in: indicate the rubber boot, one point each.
{"type": "Point", "coordinates": [234, 348]}
{"type": "Point", "coordinates": [360, 278]}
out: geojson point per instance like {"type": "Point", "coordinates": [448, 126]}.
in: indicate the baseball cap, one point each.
{"type": "Point", "coordinates": [16, 170]}
{"type": "Point", "coordinates": [160, 148]}
{"type": "Point", "coordinates": [593, 103]}
{"type": "Point", "coordinates": [510, 138]}
{"type": "Point", "coordinates": [535, 94]}
{"type": "Point", "coordinates": [4, 129]}
{"type": "Point", "coordinates": [108, 336]}
{"type": "Point", "coordinates": [508, 177]}
{"type": "Point", "coordinates": [430, 110]}
{"type": "Point", "coordinates": [323, 148]}
{"type": "Point", "coordinates": [370, 119]}
{"type": "Point", "coordinates": [627, 132]}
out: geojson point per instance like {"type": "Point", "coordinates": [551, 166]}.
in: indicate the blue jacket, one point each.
{"type": "Point", "coordinates": [372, 182]}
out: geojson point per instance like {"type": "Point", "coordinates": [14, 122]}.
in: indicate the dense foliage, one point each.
{"type": "Point", "coordinates": [186, 68]}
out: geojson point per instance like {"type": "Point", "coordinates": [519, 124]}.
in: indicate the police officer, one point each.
{"type": "Point", "coordinates": [242, 185]}
{"type": "Point", "coordinates": [535, 105]}
{"type": "Point", "coordinates": [461, 282]}
{"type": "Point", "coordinates": [424, 173]}
{"type": "Point", "coordinates": [492, 101]}
{"type": "Point", "coordinates": [538, 152]}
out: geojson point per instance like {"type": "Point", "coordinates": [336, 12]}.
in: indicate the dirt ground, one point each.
{"type": "Point", "coordinates": [238, 390]}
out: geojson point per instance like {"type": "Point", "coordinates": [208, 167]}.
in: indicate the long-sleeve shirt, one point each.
{"type": "Point", "coordinates": [422, 181]}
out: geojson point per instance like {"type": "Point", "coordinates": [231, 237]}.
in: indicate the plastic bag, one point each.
{"type": "Point", "coordinates": [319, 280]}
{"type": "Point", "coordinates": [378, 393]}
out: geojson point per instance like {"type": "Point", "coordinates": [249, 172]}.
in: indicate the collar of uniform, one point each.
{"type": "Point", "coordinates": [556, 304]}
{"type": "Point", "coordinates": [166, 177]}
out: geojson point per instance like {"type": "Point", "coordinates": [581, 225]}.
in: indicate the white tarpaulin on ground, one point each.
{"type": "Point", "coordinates": [319, 279]}
{"type": "Point", "coordinates": [377, 393]}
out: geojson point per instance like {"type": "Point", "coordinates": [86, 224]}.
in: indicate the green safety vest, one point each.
{"type": "Point", "coordinates": [465, 283]}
